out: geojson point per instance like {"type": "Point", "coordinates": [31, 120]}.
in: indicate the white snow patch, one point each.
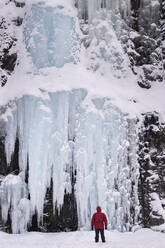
{"type": "Point", "coordinates": [157, 205]}
{"type": "Point", "coordinates": [143, 238]}
{"type": "Point", "coordinates": [124, 93]}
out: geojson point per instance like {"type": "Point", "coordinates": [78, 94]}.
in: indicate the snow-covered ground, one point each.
{"type": "Point", "coordinates": [143, 238]}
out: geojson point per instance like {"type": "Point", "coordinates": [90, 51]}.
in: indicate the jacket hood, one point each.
{"type": "Point", "coordinates": [98, 209]}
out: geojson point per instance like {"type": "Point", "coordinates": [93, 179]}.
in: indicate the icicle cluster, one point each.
{"type": "Point", "coordinates": [14, 202]}
{"type": "Point", "coordinates": [59, 135]}
{"type": "Point", "coordinates": [88, 8]}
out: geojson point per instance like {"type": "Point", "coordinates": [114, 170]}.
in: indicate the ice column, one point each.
{"type": "Point", "coordinates": [13, 200]}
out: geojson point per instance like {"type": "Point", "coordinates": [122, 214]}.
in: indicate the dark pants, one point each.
{"type": "Point", "coordinates": [97, 235]}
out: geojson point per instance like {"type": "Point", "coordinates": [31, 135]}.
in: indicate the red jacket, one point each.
{"type": "Point", "coordinates": [99, 219]}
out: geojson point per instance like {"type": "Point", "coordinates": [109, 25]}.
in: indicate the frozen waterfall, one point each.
{"type": "Point", "coordinates": [67, 134]}
{"type": "Point", "coordinates": [59, 135]}
{"type": "Point", "coordinates": [50, 36]}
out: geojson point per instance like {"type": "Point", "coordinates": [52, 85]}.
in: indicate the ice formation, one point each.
{"type": "Point", "coordinates": [148, 8]}
{"type": "Point", "coordinates": [14, 202]}
{"type": "Point", "coordinates": [59, 134]}
{"type": "Point", "coordinates": [50, 30]}
{"type": "Point", "coordinates": [88, 8]}
{"type": "Point", "coordinates": [98, 146]}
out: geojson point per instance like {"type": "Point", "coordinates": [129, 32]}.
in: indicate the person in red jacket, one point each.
{"type": "Point", "coordinates": [99, 220]}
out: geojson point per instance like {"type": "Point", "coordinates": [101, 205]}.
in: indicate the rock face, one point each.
{"type": "Point", "coordinates": [8, 39]}
{"type": "Point", "coordinates": [65, 219]}
{"type": "Point", "coordinates": [7, 60]}
{"type": "Point", "coordinates": [152, 171]}
{"type": "Point", "coordinates": [162, 22]}
{"type": "Point", "coordinates": [145, 45]}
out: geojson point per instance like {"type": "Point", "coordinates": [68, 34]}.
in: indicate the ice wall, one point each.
{"type": "Point", "coordinates": [50, 36]}
{"type": "Point", "coordinates": [68, 133]}
{"type": "Point", "coordinates": [60, 134]}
